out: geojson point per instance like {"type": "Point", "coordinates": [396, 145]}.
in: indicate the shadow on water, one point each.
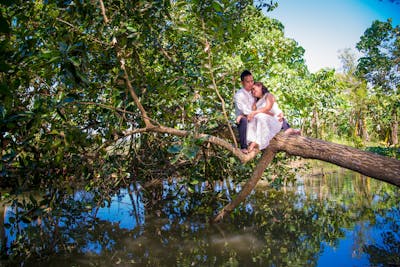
{"type": "Point", "coordinates": [332, 218]}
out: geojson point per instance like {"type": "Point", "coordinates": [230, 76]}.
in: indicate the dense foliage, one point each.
{"type": "Point", "coordinates": [65, 103]}
{"type": "Point", "coordinates": [66, 111]}
{"type": "Point", "coordinates": [65, 106]}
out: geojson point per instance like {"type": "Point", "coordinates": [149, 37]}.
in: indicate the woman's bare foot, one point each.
{"type": "Point", "coordinates": [292, 131]}
{"type": "Point", "coordinates": [252, 146]}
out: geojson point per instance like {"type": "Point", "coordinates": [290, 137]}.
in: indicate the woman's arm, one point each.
{"type": "Point", "coordinates": [269, 100]}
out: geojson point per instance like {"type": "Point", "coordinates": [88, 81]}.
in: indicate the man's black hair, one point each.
{"type": "Point", "coordinates": [244, 74]}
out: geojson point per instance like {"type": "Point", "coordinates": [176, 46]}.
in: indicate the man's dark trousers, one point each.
{"type": "Point", "coordinates": [242, 127]}
{"type": "Point", "coordinates": [285, 125]}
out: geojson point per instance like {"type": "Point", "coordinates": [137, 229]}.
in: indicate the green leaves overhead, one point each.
{"type": "Point", "coordinates": [60, 62]}
{"type": "Point", "coordinates": [380, 64]}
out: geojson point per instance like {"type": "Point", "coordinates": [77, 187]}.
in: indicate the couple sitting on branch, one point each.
{"type": "Point", "coordinates": [258, 115]}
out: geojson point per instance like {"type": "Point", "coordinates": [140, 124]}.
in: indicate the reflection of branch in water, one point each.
{"type": "Point", "coordinates": [388, 253]}
{"type": "Point", "coordinates": [3, 236]}
{"type": "Point", "coordinates": [362, 233]}
{"type": "Point", "coordinates": [135, 209]}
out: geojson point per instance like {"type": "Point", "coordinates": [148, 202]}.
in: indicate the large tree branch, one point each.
{"type": "Point", "coordinates": [373, 165]}
{"type": "Point", "coordinates": [367, 163]}
{"type": "Point", "coordinates": [267, 157]}
{"type": "Point", "coordinates": [244, 158]}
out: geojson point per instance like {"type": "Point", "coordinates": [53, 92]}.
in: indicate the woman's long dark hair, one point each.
{"type": "Point", "coordinates": [264, 89]}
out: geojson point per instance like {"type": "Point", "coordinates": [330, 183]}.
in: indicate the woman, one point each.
{"type": "Point", "coordinates": [266, 119]}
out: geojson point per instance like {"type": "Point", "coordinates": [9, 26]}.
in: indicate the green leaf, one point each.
{"type": "Point", "coordinates": [174, 149]}
{"type": "Point", "coordinates": [75, 61]}
{"type": "Point", "coordinates": [191, 152]}
{"type": "Point", "coordinates": [194, 182]}
{"type": "Point", "coordinates": [218, 7]}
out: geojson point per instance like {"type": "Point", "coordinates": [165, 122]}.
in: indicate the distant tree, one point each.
{"type": "Point", "coordinates": [355, 93]}
{"type": "Point", "coordinates": [380, 66]}
{"type": "Point", "coordinates": [349, 61]}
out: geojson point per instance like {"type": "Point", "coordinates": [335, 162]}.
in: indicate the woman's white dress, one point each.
{"type": "Point", "coordinates": [264, 127]}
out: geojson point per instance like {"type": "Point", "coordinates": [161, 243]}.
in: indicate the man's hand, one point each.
{"type": "Point", "coordinates": [250, 116]}
{"type": "Point", "coordinates": [280, 116]}
{"type": "Point", "coordinates": [239, 118]}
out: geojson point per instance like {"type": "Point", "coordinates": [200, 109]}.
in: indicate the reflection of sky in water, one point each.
{"type": "Point", "coordinates": [11, 232]}
{"type": "Point", "coordinates": [347, 252]}
{"type": "Point", "coordinates": [93, 247]}
{"type": "Point", "coordinates": [125, 209]}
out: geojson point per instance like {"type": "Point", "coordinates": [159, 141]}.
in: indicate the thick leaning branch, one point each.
{"type": "Point", "coordinates": [265, 160]}
{"type": "Point", "coordinates": [375, 166]}
{"type": "Point", "coordinates": [367, 163]}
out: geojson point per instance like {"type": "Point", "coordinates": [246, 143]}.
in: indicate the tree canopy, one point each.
{"type": "Point", "coordinates": [101, 92]}
{"type": "Point", "coordinates": [97, 94]}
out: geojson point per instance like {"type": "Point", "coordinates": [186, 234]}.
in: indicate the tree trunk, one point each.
{"type": "Point", "coordinates": [315, 123]}
{"type": "Point", "coordinates": [373, 165]}
{"type": "Point", "coordinates": [266, 158]}
{"type": "Point", "coordinates": [395, 128]}
{"type": "Point", "coordinates": [365, 135]}
{"type": "Point", "coordinates": [369, 164]}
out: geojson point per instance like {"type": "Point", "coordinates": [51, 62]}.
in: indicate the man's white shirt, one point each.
{"type": "Point", "coordinates": [244, 101]}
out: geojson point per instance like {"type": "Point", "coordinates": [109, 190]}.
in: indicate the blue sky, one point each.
{"type": "Point", "coordinates": [323, 27]}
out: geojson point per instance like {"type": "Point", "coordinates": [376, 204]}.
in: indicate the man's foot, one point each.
{"type": "Point", "coordinates": [244, 150]}
{"type": "Point", "coordinates": [292, 131]}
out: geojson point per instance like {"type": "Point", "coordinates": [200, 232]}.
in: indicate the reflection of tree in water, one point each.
{"type": "Point", "coordinates": [388, 253]}
{"type": "Point", "coordinates": [293, 228]}
{"type": "Point", "coordinates": [273, 228]}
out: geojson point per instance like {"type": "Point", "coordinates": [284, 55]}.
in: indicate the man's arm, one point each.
{"type": "Point", "coordinates": [241, 105]}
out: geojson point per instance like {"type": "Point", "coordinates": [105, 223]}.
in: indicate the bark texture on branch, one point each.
{"type": "Point", "coordinates": [367, 163]}
{"type": "Point", "coordinates": [370, 164]}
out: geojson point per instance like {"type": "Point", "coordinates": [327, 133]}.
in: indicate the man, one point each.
{"type": "Point", "coordinates": [244, 101]}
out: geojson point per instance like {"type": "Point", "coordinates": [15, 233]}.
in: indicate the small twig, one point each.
{"type": "Point", "coordinates": [123, 111]}
{"type": "Point", "coordinates": [76, 29]}
{"type": "Point", "coordinates": [208, 51]}
{"type": "Point", "coordinates": [103, 12]}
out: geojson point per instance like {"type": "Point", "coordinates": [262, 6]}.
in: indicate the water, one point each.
{"type": "Point", "coordinates": [333, 217]}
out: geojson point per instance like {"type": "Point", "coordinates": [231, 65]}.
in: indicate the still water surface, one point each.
{"type": "Point", "coordinates": [332, 217]}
